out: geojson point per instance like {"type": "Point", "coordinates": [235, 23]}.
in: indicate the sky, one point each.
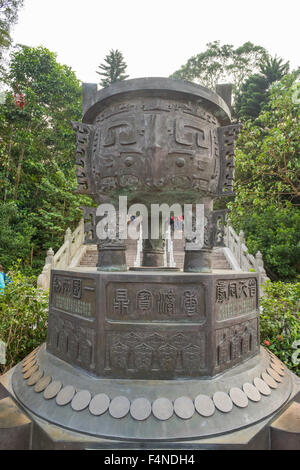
{"type": "Point", "coordinates": [155, 37]}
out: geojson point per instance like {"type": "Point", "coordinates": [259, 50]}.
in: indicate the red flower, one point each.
{"type": "Point", "coordinates": [267, 342]}
{"type": "Point", "coordinates": [280, 337]}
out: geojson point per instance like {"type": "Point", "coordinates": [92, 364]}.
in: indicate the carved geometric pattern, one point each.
{"type": "Point", "coordinates": [227, 136]}
{"type": "Point", "coordinates": [156, 352]}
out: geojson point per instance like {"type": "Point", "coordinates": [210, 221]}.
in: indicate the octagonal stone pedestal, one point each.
{"type": "Point", "coordinates": [153, 360]}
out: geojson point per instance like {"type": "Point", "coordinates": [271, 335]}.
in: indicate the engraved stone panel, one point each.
{"type": "Point", "coordinates": [171, 302]}
{"type": "Point", "coordinates": [235, 297]}
{"type": "Point", "coordinates": [73, 295]}
{"type": "Point", "coordinates": [155, 353]}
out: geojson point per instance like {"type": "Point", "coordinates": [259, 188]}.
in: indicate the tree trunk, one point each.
{"type": "Point", "coordinates": [19, 168]}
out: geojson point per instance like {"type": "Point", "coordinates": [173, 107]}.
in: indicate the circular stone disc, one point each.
{"type": "Point", "coordinates": [52, 390]}
{"type": "Point", "coordinates": [222, 401]}
{"type": "Point", "coordinates": [162, 408]}
{"type": "Point", "coordinates": [277, 369]}
{"type": "Point", "coordinates": [81, 400]}
{"type": "Point", "coordinates": [274, 374]}
{"type": "Point", "coordinates": [269, 380]}
{"type": "Point", "coordinates": [119, 407]}
{"type": "Point", "coordinates": [34, 378]}
{"type": "Point", "coordinates": [30, 355]}
{"type": "Point", "coordinates": [140, 409]}
{"type": "Point", "coordinates": [251, 392]}
{"type": "Point", "coordinates": [238, 397]}
{"type": "Point", "coordinates": [65, 395]}
{"type": "Point", "coordinates": [28, 365]}
{"type": "Point", "coordinates": [184, 407]}
{"type": "Point", "coordinates": [42, 383]}
{"type": "Point", "coordinates": [277, 361]}
{"type": "Point", "coordinates": [204, 405]}
{"type": "Point", "coordinates": [262, 386]}
{"type": "Point", "coordinates": [30, 371]}
{"type": "Point", "coordinates": [26, 362]}
{"type": "Point", "coordinates": [99, 404]}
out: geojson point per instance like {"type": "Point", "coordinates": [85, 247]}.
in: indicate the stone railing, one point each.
{"type": "Point", "coordinates": [73, 249]}
{"type": "Point", "coordinates": [242, 260]}
{"type": "Point", "coordinates": [67, 256]}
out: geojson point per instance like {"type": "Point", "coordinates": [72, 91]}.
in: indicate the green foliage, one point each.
{"type": "Point", "coordinates": [267, 182]}
{"type": "Point", "coordinates": [37, 153]}
{"type": "Point", "coordinates": [8, 16]}
{"type": "Point", "coordinates": [113, 70]}
{"type": "Point", "coordinates": [15, 234]}
{"type": "Point", "coordinates": [254, 93]}
{"type": "Point", "coordinates": [23, 317]}
{"type": "Point", "coordinates": [280, 322]}
{"type": "Point", "coordinates": [223, 63]}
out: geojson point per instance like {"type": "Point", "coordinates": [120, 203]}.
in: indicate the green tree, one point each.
{"type": "Point", "coordinates": [222, 63]}
{"type": "Point", "coordinates": [267, 184]}
{"type": "Point", "coordinates": [254, 93]}
{"type": "Point", "coordinates": [8, 16]}
{"type": "Point", "coordinates": [113, 70]}
{"type": "Point", "coordinates": [37, 152]}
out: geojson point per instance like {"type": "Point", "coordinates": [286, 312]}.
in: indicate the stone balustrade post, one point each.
{"type": "Point", "coordinates": [68, 240]}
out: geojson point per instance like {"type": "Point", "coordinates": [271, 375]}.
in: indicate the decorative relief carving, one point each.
{"type": "Point", "coordinates": [122, 147]}
{"type": "Point", "coordinates": [236, 343]}
{"type": "Point", "coordinates": [156, 302]}
{"type": "Point", "coordinates": [71, 341]}
{"type": "Point", "coordinates": [85, 135]}
{"type": "Point", "coordinates": [227, 136]}
{"type": "Point", "coordinates": [156, 352]}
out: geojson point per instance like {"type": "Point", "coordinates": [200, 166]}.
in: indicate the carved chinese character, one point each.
{"type": "Point", "coordinates": [66, 287]}
{"type": "Point", "coordinates": [221, 291]}
{"type": "Point", "coordinates": [190, 302]}
{"type": "Point", "coordinates": [57, 285]}
{"type": "Point", "coordinates": [166, 303]}
{"type": "Point", "coordinates": [144, 300]}
{"type": "Point", "coordinates": [121, 302]}
{"type": "Point", "coordinates": [252, 287]}
{"type": "Point", "coordinates": [77, 289]}
{"type": "Point", "coordinates": [243, 288]}
{"type": "Point", "coordinates": [232, 289]}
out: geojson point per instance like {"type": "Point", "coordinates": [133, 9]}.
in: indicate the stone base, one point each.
{"type": "Point", "coordinates": [21, 428]}
{"type": "Point", "coordinates": [30, 421]}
